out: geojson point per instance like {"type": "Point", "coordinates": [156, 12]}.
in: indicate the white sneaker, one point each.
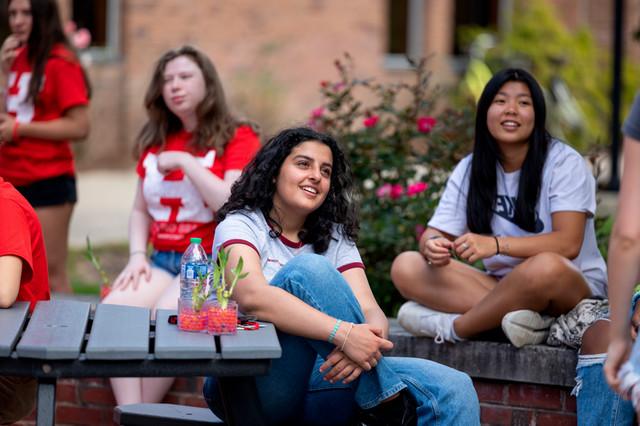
{"type": "Point", "coordinates": [526, 327]}
{"type": "Point", "coordinates": [422, 321]}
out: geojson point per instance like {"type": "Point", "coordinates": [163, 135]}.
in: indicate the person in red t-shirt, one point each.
{"type": "Point", "coordinates": [23, 277]}
{"type": "Point", "coordinates": [46, 104]}
{"type": "Point", "coordinates": [190, 152]}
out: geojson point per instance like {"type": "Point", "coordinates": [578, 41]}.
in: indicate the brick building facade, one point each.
{"type": "Point", "coordinates": [272, 54]}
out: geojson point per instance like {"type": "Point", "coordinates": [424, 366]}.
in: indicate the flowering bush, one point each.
{"type": "Point", "coordinates": [401, 148]}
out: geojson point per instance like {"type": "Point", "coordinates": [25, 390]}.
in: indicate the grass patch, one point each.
{"type": "Point", "coordinates": [82, 275]}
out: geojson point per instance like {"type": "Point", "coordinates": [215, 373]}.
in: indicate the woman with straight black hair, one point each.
{"type": "Point", "coordinates": [523, 203]}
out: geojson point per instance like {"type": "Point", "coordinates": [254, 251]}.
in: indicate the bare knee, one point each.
{"type": "Point", "coordinates": [595, 338]}
{"type": "Point", "coordinates": [404, 271]}
{"type": "Point", "coordinates": [545, 271]}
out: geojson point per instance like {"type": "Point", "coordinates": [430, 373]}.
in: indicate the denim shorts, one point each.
{"type": "Point", "coordinates": [167, 260]}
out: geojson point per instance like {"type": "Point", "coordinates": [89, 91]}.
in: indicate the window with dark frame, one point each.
{"type": "Point", "coordinates": [398, 12]}
{"type": "Point", "coordinates": [476, 13]}
{"type": "Point", "coordinates": [92, 15]}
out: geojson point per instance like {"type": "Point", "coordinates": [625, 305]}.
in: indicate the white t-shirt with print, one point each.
{"type": "Point", "coordinates": [567, 185]}
{"type": "Point", "coordinates": [250, 228]}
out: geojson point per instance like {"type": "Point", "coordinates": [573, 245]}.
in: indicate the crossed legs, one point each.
{"type": "Point", "coordinates": [546, 283]}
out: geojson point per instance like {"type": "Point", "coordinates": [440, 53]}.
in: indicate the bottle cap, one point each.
{"type": "Point", "coordinates": [196, 240]}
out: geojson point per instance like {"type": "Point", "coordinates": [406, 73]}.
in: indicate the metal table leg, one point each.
{"type": "Point", "coordinates": [46, 402]}
{"type": "Point", "coordinates": [240, 400]}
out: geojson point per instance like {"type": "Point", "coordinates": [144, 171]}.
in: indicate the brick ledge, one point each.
{"type": "Point", "coordinates": [539, 364]}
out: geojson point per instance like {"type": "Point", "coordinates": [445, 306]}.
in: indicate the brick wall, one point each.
{"type": "Point", "coordinates": [505, 403]}
{"type": "Point", "coordinates": [271, 56]}
{"type": "Point", "coordinates": [90, 401]}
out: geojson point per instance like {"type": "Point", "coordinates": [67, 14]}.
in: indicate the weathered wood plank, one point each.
{"type": "Point", "coordinates": [171, 343]}
{"type": "Point", "coordinates": [119, 332]}
{"type": "Point", "coordinates": [56, 330]}
{"type": "Point", "coordinates": [252, 344]}
{"type": "Point", "coordinates": [11, 323]}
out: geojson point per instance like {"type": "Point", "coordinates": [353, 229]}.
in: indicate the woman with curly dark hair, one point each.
{"type": "Point", "coordinates": [292, 218]}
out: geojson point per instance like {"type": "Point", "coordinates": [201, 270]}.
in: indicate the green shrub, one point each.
{"type": "Point", "coordinates": [401, 150]}
{"type": "Point", "coordinates": [540, 41]}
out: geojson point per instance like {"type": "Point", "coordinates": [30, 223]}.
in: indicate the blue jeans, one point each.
{"type": "Point", "coordinates": [293, 390]}
{"type": "Point", "coordinates": [597, 403]}
{"type": "Point", "coordinates": [167, 260]}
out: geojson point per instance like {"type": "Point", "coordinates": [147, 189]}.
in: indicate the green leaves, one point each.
{"type": "Point", "coordinates": [95, 261]}
{"type": "Point", "coordinates": [389, 154]}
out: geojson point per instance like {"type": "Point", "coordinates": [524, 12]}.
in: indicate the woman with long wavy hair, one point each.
{"type": "Point", "coordinates": [46, 104]}
{"type": "Point", "coordinates": [523, 203]}
{"type": "Point", "coordinates": [292, 218]}
{"type": "Point", "coordinates": [190, 151]}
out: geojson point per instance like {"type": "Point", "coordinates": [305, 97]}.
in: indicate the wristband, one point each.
{"type": "Point", "coordinates": [435, 237]}
{"type": "Point", "coordinates": [14, 131]}
{"type": "Point", "coordinates": [138, 252]}
{"type": "Point", "coordinates": [497, 245]}
{"type": "Point", "coordinates": [334, 331]}
{"type": "Point", "coordinates": [346, 338]}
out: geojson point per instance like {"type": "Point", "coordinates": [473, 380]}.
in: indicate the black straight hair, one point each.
{"type": "Point", "coordinates": [486, 154]}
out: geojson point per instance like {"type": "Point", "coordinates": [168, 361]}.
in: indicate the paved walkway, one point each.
{"type": "Point", "coordinates": [105, 199]}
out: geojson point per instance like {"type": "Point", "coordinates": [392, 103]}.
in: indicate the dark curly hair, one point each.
{"type": "Point", "coordinates": [255, 189]}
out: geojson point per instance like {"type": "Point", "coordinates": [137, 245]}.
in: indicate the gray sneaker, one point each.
{"type": "Point", "coordinates": [422, 321]}
{"type": "Point", "coordinates": [526, 327]}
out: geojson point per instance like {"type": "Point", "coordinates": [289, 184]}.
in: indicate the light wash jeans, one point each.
{"type": "Point", "coordinates": [597, 403]}
{"type": "Point", "coordinates": [294, 392]}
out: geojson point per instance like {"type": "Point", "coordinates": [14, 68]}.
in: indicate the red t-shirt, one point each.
{"type": "Point", "coordinates": [21, 236]}
{"type": "Point", "coordinates": [175, 205]}
{"type": "Point", "coordinates": [29, 160]}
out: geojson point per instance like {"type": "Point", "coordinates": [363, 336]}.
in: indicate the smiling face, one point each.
{"type": "Point", "coordinates": [511, 116]}
{"type": "Point", "coordinates": [20, 19]}
{"type": "Point", "coordinates": [183, 87]}
{"type": "Point", "coordinates": [304, 179]}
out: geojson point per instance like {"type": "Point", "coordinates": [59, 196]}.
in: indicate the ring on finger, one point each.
{"type": "Point", "coordinates": [465, 246]}
{"type": "Point", "coordinates": [429, 262]}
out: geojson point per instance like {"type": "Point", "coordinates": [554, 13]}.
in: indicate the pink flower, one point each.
{"type": "Point", "coordinates": [384, 191]}
{"type": "Point", "coordinates": [81, 39]}
{"type": "Point", "coordinates": [396, 191]}
{"type": "Point", "coordinates": [338, 86]}
{"type": "Point", "coordinates": [317, 112]}
{"type": "Point", "coordinates": [416, 188]}
{"type": "Point", "coordinates": [371, 121]}
{"type": "Point", "coordinates": [419, 231]}
{"type": "Point", "coordinates": [425, 124]}
{"type": "Point", "coordinates": [388, 190]}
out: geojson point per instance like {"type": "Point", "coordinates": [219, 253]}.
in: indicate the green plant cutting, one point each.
{"type": "Point", "coordinates": [90, 254]}
{"type": "Point", "coordinates": [219, 284]}
{"type": "Point", "coordinates": [219, 281]}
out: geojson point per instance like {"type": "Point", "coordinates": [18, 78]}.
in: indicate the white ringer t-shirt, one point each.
{"type": "Point", "coordinates": [250, 227]}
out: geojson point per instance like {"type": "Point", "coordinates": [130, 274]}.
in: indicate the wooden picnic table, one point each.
{"type": "Point", "coordinates": [66, 338]}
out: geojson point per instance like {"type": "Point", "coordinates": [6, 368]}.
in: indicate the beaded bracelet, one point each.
{"type": "Point", "coordinates": [346, 338]}
{"type": "Point", "coordinates": [334, 331]}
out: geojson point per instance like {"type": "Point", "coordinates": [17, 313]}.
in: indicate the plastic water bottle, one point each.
{"type": "Point", "coordinates": [194, 264]}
